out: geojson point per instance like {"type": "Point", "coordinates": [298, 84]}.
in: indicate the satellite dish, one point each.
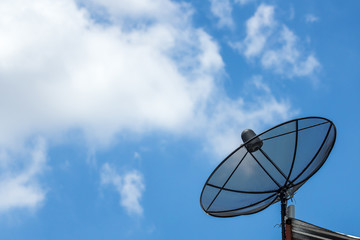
{"type": "Point", "coordinates": [268, 167]}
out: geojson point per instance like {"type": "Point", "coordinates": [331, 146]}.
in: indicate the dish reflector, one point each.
{"type": "Point", "coordinates": [277, 161]}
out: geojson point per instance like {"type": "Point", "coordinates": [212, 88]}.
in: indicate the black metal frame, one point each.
{"type": "Point", "coordinates": [280, 194]}
{"type": "Point", "coordinates": [226, 181]}
{"type": "Point", "coordinates": [283, 200]}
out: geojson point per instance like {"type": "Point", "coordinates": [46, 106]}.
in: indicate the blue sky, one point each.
{"type": "Point", "coordinates": [114, 113]}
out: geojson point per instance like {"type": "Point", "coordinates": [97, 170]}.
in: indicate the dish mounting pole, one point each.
{"type": "Point", "coordinates": [283, 213]}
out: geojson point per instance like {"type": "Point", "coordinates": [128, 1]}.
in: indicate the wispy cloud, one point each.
{"type": "Point", "coordinates": [310, 18]}
{"type": "Point", "coordinates": [258, 29]}
{"type": "Point", "coordinates": [222, 10]}
{"type": "Point", "coordinates": [19, 186]}
{"type": "Point", "coordinates": [130, 187]}
{"type": "Point", "coordinates": [229, 117]}
{"type": "Point", "coordinates": [243, 2]}
{"type": "Point", "coordinates": [288, 60]}
{"type": "Point", "coordinates": [275, 45]}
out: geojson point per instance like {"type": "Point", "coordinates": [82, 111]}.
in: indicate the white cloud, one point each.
{"type": "Point", "coordinates": [130, 187]}
{"type": "Point", "coordinates": [258, 28]}
{"type": "Point", "coordinates": [63, 69]}
{"type": "Point", "coordinates": [288, 59]}
{"type": "Point", "coordinates": [222, 10]}
{"type": "Point", "coordinates": [60, 70]}
{"type": "Point", "coordinates": [275, 45]}
{"type": "Point", "coordinates": [19, 187]}
{"type": "Point", "coordinates": [310, 18]}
